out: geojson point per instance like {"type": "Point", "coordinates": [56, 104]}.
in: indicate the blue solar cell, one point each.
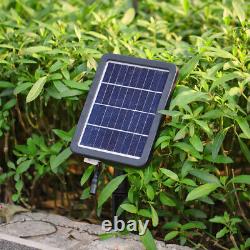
{"type": "Point", "coordinates": [99, 138]}
{"type": "Point", "coordinates": [142, 78]}
{"type": "Point", "coordinates": [129, 74]}
{"type": "Point", "coordinates": [140, 145]}
{"type": "Point", "coordinates": [101, 93]}
{"type": "Point", "coordinates": [124, 109]}
{"type": "Point", "coordinates": [133, 144]}
{"type": "Point", "coordinates": [135, 77]}
{"type": "Point", "coordinates": [155, 103]}
{"type": "Point", "coordinates": [147, 124]}
{"type": "Point", "coordinates": [134, 99]}
{"type": "Point", "coordinates": [141, 100]}
{"type": "Point", "coordinates": [126, 143]}
{"type": "Point", "coordinates": [115, 73]}
{"type": "Point", "coordinates": [148, 101]}
{"type": "Point", "coordinates": [108, 72]}
{"type": "Point", "coordinates": [149, 79]}
{"type": "Point", "coordinates": [120, 119]}
{"type": "Point", "coordinates": [134, 120]}
{"type": "Point", "coordinates": [162, 81]}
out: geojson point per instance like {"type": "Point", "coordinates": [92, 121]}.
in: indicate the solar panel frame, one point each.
{"type": "Point", "coordinates": [109, 156]}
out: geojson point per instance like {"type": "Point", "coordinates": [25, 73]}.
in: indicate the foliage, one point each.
{"type": "Point", "coordinates": [196, 187]}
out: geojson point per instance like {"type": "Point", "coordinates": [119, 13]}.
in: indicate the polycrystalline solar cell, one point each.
{"type": "Point", "coordinates": [124, 109]}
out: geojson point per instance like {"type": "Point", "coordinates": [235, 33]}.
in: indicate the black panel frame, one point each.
{"type": "Point", "coordinates": [109, 157]}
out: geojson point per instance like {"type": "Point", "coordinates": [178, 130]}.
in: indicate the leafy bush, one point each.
{"type": "Point", "coordinates": [196, 188]}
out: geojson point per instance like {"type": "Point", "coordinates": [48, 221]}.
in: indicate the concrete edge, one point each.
{"type": "Point", "coordinates": [28, 243]}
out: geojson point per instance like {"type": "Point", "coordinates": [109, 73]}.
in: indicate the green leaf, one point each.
{"type": "Point", "coordinates": [76, 85]}
{"type": "Point", "coordinates": [238, 7]}
{"type": "Point", "coordinates": [23, 167]}
{"type": "Point", "coordinates": [212, 114]}
{"type": "Point", "coordinates": [218, 140]}
{"type": "Point", "coordinates": [204, 126]}
{"type": "Point", "coordinates": [129, 208]}
{"type": "Point", "coordinates": [241, 179]}
{"type": "Point", "coordinates": [171, 235]}
{"type": "Point", "coordinates": [219, 159]}
{"type": "Point", "coordinates": [201, 191]}
{"type": "Point", "coordinates": [188, 182]}
{"type": "Point", "coordinates": [170, 174]}
{"type": "Point", "coordinates": [172, 225]}
{"type": "Point", "coordinates": [34, 49]}
{"type": "Point", "coordinates": [85, 194]}
{"type": "Point", "coordinates": [196, 143]}
{"type": "Point", "coordinates": [243, 123]}
{"type": "Point", "coordinates": [225, 78]}
{"type": "Point", "coordinates": [196, 213]}
{"type": "Point", "coordinates": [188, 148]}
{"type": "Point", "coordinates": [245, 150]}
{"type": "Point", "coordinates": [148, 241]}
{"type": "Point", "coordinates": [19, 186]}
{"type": "Point", "coordinates": [87, 174]}
{"type": "Point", "coordinates": [172, 113]}
{"type": "Point", "coordinates": [193, 224]}
{"type": "Point", "coordinates": [22, 87]}
{"type": "Point", "coordinates": [155, 218]}
{"type": "Point", "coordinates": [128, 16]}
{"type": "Point", "coordinates": [222, 233]}
{"type": "Point", "coordinates": [59, 159]}
{"type": "Point", "coordinates": [186, 96]}
{"type": "Point", "coordinates": [36, 89]}
{"type": "Point", "coordinates": [10, 104]}
{"type": "Point", "coordinates": [205, 176]}
{"type": "Point", "coordinates": [189, 67]}
{"type": "Point", "coordinates": [181, 134]}
{"type": "Point", "coordinates": [110, 188]}
{"type": "Point", "coordinates": [54, 67]}
{"type": "Point", "coordinates": [5, 85]}
{"type": "Point", "coordinates": [165, 200]}
{"type": "Point", "coordinates": [218, 219]}
{"type": "Point", "coordinates": [144, 213]}
{"type": "Point", "coordinates": [218, 52]}
{"type": "Point", "coordinates": [64, 135]}
{"type": "Point", "coordinates": [150, 192]}
{"type": "Point", "coordinates": [247, 243]}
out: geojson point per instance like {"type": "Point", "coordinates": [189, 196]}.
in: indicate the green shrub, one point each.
{"type": "Point", "coordinates": [196, 188]}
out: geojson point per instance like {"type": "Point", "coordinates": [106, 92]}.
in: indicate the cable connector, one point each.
{"type": "Point", "coordinates": [94, 182]}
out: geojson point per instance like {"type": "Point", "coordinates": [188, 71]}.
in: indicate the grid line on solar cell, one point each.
{"type": "Point", "coordinates": [134, 110]}
{"type": "Point", "coordinates": [114, 129]}
{"type": "Point", "coordinates": [123, 109]}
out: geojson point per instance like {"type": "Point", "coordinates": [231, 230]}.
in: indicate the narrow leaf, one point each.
{"type": "Point", "coordinates": [170, 174]}
{"type": "Point", "coordinates": [241, 179]}
{"type": "Point", "coordinates": [129, 208]}
{"type": "Point", "coordinates": [87, 174]}
{"type": "Point", "coordinates": [189, 67]}
{"type": "Point", "coordinates": [238, 7]}
{"type": "Point", "coordinates": [128, 16]}
{"type": "Point", "coordinates": [218, 140]}
{"type": "Point", "coordinates": [243, 123]}
{"type": "Point", "coordinates": [109, 189]}
{"type": "Point", "coordinates": [59, 159]}
{"type": "Point", "coordinates": [155, 218]}
{"type": "Point", "coordinates": [201, 191]}
{"type": "Point", "coordinates": [245, 149]}
{"type": "Point", "coordinates": [148, 241]}
{"type": "Point", "coordinates": [171, 235]}
{"type": "Point", "coordinates": [36, 89]}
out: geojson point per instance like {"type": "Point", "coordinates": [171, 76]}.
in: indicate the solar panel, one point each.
{"type": "Point", "coordinates": [120, 120]}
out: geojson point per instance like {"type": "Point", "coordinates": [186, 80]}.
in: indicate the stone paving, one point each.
{"type": "Point", "coordinates": [62, 233]}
